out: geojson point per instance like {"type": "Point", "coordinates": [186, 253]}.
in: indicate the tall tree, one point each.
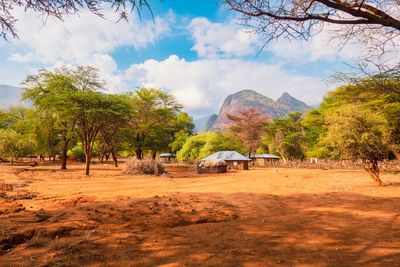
{"type": "Point", "coordinates": [151, 123]}
{"type": "Point", "coordinates": [358, 134]}
{"type": "Point", "coordinates": [94, 111]}
{"type": "Point", "coordinates": [50, 92]}
{"type": "Point", "coordinates": [248, 126]}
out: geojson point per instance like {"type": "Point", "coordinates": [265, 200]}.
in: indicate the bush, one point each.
{"type": "Point", "coordinates": [145, 166]}
{"type": "Point", "coordinates": [77, 153]}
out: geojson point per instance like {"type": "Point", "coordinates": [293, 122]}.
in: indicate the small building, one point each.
{"type": "Point", "coordinates": [167, 157]}
{"type": "Point", "coordinates": [263, 160]}
{"type": "Point", "coordinates": [212, 166]}
{"type": "Point", "coordinates": [233, 159]}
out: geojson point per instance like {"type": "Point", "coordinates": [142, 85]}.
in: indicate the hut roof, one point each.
{"type": "Point", "coordinates": [227, 155]}
{"type": "Point", "coordinates": [265, 156]}
{"type": "Point", "coordinates": [167, 155]}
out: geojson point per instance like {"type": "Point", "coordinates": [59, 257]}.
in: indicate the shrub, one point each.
{"type": "Point", "coordinates": [145, 166]}
{"type": "Point", "coordinates": [77, 153]}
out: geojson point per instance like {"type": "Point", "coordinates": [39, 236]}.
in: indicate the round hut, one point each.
{"type": "Point", "coordinates": [212, 166]}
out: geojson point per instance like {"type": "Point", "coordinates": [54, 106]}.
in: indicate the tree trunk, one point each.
{"type": "Point", "coordinates": [64, 154]}
{"type": "Point", "coordinates": [394, 150]}
{"type": "Point", "coordinates": [87, 167]}
{"type": "Point", "coordinates": [114, 157]}
{"type": "Point", "coordinates": [373, 169]}
{"type": "Point", "coordinates": [154, 155]}
{"type": "Point", "coordinates": [139, 153]}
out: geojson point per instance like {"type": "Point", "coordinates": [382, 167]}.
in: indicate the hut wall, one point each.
{"type": "Point", "coordinates": [240, 164]}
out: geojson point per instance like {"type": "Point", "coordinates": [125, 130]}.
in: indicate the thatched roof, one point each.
{"type": "Point", "coordinates": [227, 155]}
{"type": "Point", "coordinates": [214, 163]}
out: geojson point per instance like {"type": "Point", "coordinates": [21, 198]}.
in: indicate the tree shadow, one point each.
{"type": "Point", "coordinates": [208, 229]}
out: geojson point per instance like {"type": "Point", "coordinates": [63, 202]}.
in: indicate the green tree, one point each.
{"type": "Point", "coordinates": [183, 128]}
{"type": "Point", "coordinates": [94, 111]}
{"type": "Point", "coordinates": [50, 93]}
{"type": "Point", "coordinates": [14, 145]}
{"type": "Point", "coordinates": [286, 137]}
{"type": "Point", "coordinates": [204, 144]}
{"type": "Point", "coordinates": [152, 121]}
{"type": "Point", "coordinates": [357, 134]}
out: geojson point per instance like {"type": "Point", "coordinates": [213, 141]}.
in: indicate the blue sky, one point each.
{"type": "Point", "coordinates": [196, 50]}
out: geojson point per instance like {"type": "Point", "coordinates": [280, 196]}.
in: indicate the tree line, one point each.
{"type": "Point", "coordinates": [70, 113]}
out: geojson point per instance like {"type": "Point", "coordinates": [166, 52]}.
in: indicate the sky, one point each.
{"type": "Point", "coordinates": [196, 50]}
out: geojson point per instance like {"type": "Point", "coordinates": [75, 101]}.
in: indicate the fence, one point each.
{"type": "Point", "coordinates": [392, 165]}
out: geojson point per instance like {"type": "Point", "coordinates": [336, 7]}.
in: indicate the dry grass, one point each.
{"type": "Point", "coordinates": [145, 166]}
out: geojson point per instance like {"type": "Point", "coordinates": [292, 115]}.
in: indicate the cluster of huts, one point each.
{"type": "Point", "coordinates": [222, 161]}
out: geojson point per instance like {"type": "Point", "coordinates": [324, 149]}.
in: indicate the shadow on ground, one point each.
{"type": "Point", "coordinates": [207, 230]}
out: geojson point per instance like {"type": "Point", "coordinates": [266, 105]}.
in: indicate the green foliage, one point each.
{"type": "Point", "coordinates": [152, 120]}
{"type": "Point", "coordinates": [77, 152]}
{"type": "Point", "coordinates": [204, 144]}
{"type": "Point", "coordinates": [183, 127]}
{"type": "Point", "coordinates": [286, 137]}
{"type": "Point", "coordinates": [354, 133]}
{"type": "Point", "coordinates": [14, 145]}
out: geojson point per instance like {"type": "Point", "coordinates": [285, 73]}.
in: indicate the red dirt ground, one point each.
{"type": "Point", "coordinates": [260, 217]}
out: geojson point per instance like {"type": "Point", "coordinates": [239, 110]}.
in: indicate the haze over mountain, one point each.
{"type": "Point", "coordinates": [10, 96]}
{"type": "Point", "coordinates": [245, 99]}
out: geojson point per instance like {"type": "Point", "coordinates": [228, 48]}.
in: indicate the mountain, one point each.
{"type": "Point", "coordinates": [245, 99]}
{"type": "Point", "coordinates": [10, 96]}
{"type": "Point", "coordinates": [293, 103]}
{"type": "Point", "coordinates": [200, 124]}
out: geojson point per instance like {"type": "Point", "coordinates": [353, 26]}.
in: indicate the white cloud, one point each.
{"type": "Point", "coordinates": [202, 85]}
{"type": "Point", "coordinates": [220, 40]}
{"type": "Point", "coordinates": [77, 38]}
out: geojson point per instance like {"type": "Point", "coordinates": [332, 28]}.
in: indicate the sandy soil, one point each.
{"type": "Point", "coordinates": [260, 217]}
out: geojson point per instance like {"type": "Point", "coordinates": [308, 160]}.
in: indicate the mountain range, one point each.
{"type": "Point", "coordinates": [245, 99]}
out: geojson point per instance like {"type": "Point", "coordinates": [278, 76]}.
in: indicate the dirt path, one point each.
{"type": "Point", "coordinates": [260, 217]}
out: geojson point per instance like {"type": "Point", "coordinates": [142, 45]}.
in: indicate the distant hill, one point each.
{"type": "Point", "coordinates": [10, 96]}
{"type": "Point", "coordinates": [245, 99]}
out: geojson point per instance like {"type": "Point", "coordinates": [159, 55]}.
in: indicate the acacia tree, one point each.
{"type": "Point", "coordinates": [380, 94]}
{"type": "Point", "coordinates": [373, 22]}
{"type": "Point", "coordinates": [50, 93]}
{"type": "Point", "coordinates": [151, 122]}
{"type": "Point", "coordinates": [94, 111]}
{"type": "Point", "coordinates": [358, 134]}
{"type": "Point", "coordinates": [248, 126]}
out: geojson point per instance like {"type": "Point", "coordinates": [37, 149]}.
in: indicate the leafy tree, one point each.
{"type": "Point", "coordinates": [93, 111]}
{"type": "Point", "coordinates": [248, 126]}
{"type": "Point", "coordinates": [184, 128]}
{"type": "Point", "coordinates": [151, 123]}
{"type": "Point", "coordinates": [380, 94]}
{"type": "Point", "coordinates": [355, 133]}
{"type": "Point", "coordinates": [286, 136]}
{"type": "Point", "coordinates": [111, 135]}
{"type": "Point", "coordinates": [51, 91]}
{"type": "Point", "coordinates": [14, 145]}
{"type": "Point", "coordinates": [204, 144]}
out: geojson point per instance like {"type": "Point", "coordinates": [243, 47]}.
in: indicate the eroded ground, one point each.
{"type": "Point", "coordinates": [261, 217]}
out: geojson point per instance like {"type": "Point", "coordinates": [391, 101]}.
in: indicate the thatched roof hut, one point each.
{"type": "Point", "coordinates": [212, 166]}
